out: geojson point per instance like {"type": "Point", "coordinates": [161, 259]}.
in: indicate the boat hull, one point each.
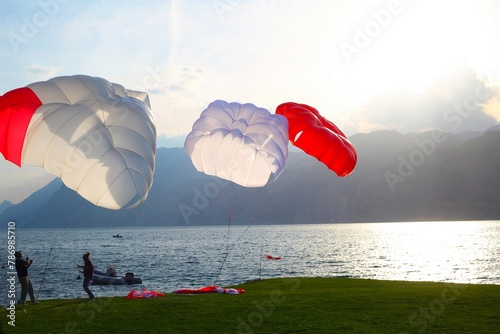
{"type": "Point", "coordinates": [100, 278]}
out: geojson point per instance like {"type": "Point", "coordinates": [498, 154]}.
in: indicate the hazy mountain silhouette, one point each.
{"type": "Point", "coordinates": [411, 177]}
{"type": "Point", "coordinates": [4, 205]}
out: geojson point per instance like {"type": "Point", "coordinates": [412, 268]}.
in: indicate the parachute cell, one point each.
{"type": "Point", "coordinates": [16, 109]}
{"type": "Point", "coordinates": [319, 137]}
{"type": "Point", "coordinates": [239, 142]}
{"type": "Point", "coordinates": [97, 136]}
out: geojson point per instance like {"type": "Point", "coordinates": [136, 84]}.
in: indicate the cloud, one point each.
{"type": "Point", "coordinates": [40, 72]}
{"type": "Point", "coordinates": [492, 107]}
{"type": "Point", "coordinates": [178, 96]}
{"type": "Point", "coordinates": [176, 141]}
{"type": "Point", "coordinates": [457, 101]}
{"type": "Point", "coordinates": [186, 54]}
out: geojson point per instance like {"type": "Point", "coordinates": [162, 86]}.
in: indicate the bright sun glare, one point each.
{"type": "Point", "coordinates": [422, 41]}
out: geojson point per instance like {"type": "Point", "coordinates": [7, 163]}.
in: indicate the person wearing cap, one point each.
{"type": "Point", "coordinates": [22, 274]}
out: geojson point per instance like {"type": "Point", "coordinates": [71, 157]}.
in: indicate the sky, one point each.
{"type": "Point", "coordinates": [402, 65]}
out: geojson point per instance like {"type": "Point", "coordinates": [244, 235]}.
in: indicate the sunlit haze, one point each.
{"type": "Point", "coordinates": [366, 66]}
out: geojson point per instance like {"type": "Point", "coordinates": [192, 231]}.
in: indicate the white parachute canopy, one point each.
{"type": "Point", "coordinates": [239, 142]}
{"type": "Point", "coordinates": [97, 136]}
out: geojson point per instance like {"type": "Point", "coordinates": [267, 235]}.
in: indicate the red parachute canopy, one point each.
{"type": "Point", "coordinates": [16, 109]}
{"type": "Point", "coordinates": [319, 137]}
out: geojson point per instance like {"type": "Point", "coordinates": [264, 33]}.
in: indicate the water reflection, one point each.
{"type": "Point", "coordinates": [435, 251]}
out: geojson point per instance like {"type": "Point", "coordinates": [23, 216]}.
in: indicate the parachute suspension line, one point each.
{"type": "Point", "coordinates": [227, 249]}
{"type": "Point", "coordinates": [228, 232]}
{"type": "Point", "coordinates": [230, 250]}
{"type": "Point", "coordinates": [43, 276]}
{"type": "Point", "coordinates": [260, 265]}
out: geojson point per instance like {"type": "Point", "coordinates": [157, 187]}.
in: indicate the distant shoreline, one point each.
{"type": "Point", "coordinates": [256, 224]}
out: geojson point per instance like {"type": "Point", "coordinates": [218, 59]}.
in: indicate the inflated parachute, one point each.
{"type": "Point", "coordinates": [97, 136]}
{"type": "Point", "coordinates": [319, 137]}
{"type": "Point", "coordinates": [239, 142]}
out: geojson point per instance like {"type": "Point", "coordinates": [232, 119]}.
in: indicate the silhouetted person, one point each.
{"type": "Point", "coordinates": [22, 274]}
{"type": "Point", "coordinates": [88, 274]}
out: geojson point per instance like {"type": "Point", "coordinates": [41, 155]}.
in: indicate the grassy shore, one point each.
{"type": "Point", "coordinates": [292, 305]}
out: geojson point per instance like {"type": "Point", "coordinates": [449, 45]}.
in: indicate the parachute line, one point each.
{"type": "Point", "coordinates": [230, 250]}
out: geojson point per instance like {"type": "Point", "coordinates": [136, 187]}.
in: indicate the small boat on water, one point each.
{"type": "Point", "coordinates": [101, 278]}
{"type": "Point", "coordinates": [117, 236]}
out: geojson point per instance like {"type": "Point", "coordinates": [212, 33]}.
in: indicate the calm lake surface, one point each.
{"type": "Point", "coordinates": [174, 257]}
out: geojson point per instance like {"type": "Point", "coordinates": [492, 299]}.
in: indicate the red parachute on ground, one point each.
{"type": "Point", "coordinates": [144, 293]}
{"type": "Point", "coordinates": [319, 137]}
{"type": "Point", "coordinates": [210, 289]}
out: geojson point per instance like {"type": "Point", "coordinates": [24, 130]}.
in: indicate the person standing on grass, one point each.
{"type": "Point", "coordinates": [88, 274]}
{"type": "Point", "coordinates": [22, 274]}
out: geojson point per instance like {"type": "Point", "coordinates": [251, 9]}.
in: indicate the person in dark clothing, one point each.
{"type": "Point", "coordinates": [22, 274]}
{"type": "Point", "coordinates": [88, 274]}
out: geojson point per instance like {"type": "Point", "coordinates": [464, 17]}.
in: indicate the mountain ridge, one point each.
{"type": "Point", "coordinates": [399, 177]}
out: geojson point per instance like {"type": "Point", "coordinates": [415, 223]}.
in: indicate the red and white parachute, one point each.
{"type": "Point", "coordinates": [97, 136]}
{"type": "Point", "coordinates": [210, 289]}
{"type": "Point", "coordinates": [144, 293]}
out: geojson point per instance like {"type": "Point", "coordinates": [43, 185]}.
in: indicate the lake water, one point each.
{"type": "Point", "coordinates": [174, 257]}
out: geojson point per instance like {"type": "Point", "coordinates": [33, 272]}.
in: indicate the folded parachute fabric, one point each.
{"type": "Point", "coordinates": [210, 289]}
{"type": "Point", "coordinates": [230, 291]}
{"type": "Point", "coordinates": [134, 294]}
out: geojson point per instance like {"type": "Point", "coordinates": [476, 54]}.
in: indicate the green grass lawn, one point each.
{"type": "Point", "coordinates": [292, 305]}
